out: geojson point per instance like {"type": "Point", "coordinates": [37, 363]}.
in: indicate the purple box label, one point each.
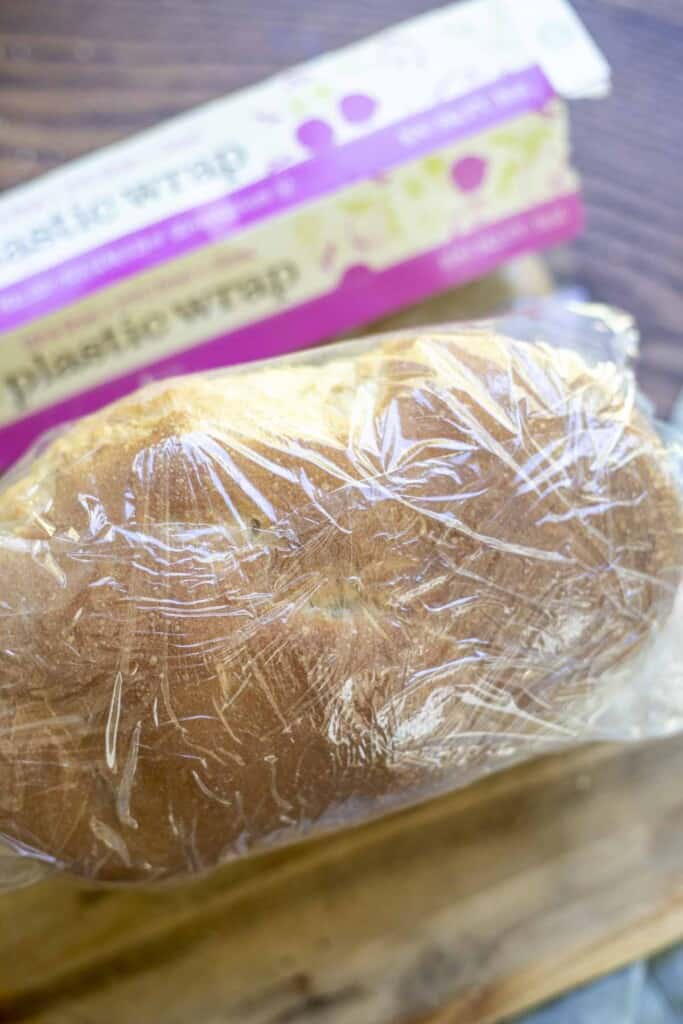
{"type": "Point", "coordinates": [330, 169]}
{"type": "Point", "coordinates": [363, 296]}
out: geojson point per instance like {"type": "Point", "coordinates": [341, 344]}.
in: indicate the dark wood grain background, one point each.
{"type": "Point", "coordinates": [75, 74]}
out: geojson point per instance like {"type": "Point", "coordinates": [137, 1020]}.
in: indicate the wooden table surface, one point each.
{"type": "Point", "coordinates": [75, 74]}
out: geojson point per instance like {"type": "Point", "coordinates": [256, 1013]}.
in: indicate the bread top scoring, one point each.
{"type": "Point", "coordinates": [236, 605]}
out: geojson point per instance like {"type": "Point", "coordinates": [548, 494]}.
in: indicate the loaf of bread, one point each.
{"type": "Point", "coordinates": [237, 608]}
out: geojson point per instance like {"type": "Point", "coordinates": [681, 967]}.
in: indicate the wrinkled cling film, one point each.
{"type": "Point", "coordinates": [247, 607]}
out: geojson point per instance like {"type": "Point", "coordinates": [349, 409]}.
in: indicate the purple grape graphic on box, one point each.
{"type": "Point", "coordinates": [468, 173]}
{"type": "Point", "coordinates": [357, 107]}
{"type": "Point", "coordinates": [317, 134]}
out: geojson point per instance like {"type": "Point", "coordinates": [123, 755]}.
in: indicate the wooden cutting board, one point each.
{"type": "Point", "coordinates": [464, 910]}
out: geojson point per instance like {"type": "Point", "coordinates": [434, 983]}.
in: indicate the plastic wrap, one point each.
{"type": "Point", "coordinates": [241, 608]}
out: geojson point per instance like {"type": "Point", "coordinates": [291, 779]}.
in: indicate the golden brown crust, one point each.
{"type": "Point", "coordinates": [236, 606]}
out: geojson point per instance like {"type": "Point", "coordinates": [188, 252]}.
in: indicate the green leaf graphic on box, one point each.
{"type": "Point", "coordinates": [534, 141]}
{"type": "Point", "coordinates": [394, 222]}
{"type": "Point", "coordinates": [309, 229]}
{"type": "Point", "coordinates": [360, 208]}
{"type": "Point", "coordinates": [506, 138]}
{"type": "Point", "coordinates": [435, 165]}
{"type": "Point", "coordinates": [359, 205]}
{"type": "Point", "coordinates": [507, 177]}
{"type": "Point", "coordinates": [527, 142]}
{"type": "Point", "coordinates": [414, 188]}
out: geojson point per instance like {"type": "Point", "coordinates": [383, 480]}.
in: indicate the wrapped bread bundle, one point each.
{"type": "Point", "coordinates": [240, 608]}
